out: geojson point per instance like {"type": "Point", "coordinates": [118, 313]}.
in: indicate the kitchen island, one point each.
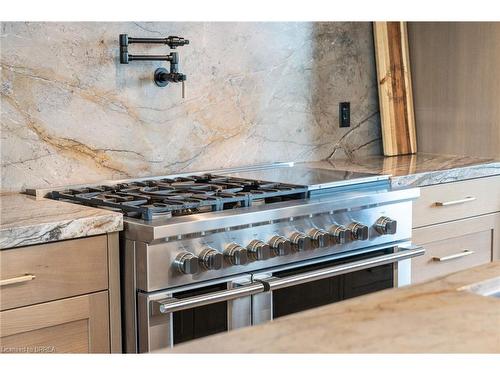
{"type": "Point", "coordinates": [439, 316]}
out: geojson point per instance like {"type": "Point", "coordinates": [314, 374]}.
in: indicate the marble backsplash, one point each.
{"type": "Point", "coordinates": [256, 92]}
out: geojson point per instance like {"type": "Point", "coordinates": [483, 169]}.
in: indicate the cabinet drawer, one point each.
{"type": "Point", "coordinates": [457, 200]}
{"type": "Point", "coordinates": [454, 246]}
{"type": "Point", "coordinates": [60, 269]}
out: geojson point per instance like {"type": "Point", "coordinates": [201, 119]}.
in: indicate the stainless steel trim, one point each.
{"type": "Point", "coordinates": [178, 226]}
{"type": "Point", "coordinates": [278, 283]}
{"type": "Point", "coordinates": [17, 280]}
{"type": "Point", "coordinates": [129, 295]}
{"type": "Point", "coordinates": [354, 182]}
{"type": "Point", "coordinates": [453, 256]}
{"type": "Point", "coordinates": [170, 305]}
{"type": "Point", "coordinates": [458, 201]}
{"type": "Point", "coordinates": [262, 303]}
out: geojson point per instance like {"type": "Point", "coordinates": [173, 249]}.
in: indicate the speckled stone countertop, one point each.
{"type": "Point", "coordinates": [26, 220]}
{"type": "Point", "coordinates": [433, 317]}
{"type": "Point", "coordinates": [418, 170]}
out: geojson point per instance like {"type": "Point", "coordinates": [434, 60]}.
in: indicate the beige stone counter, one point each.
{"type": "Point", "coordinates": [420, 169]}
{"type": "Point", "coordinates": [26, 220]}
{"type": "Point", "coordinates": [433, 317]}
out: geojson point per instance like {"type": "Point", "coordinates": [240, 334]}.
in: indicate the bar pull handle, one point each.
{"type": "Point", "coordinates": [170, 305]}
{"type": "Point", "coordinates": [276, 283]}
{"type": "Point", "coordinates": [17, 280]}
{"type": "Point", "coordinates": [458, 201]}
{"type": "Point", "coordinates": [453, 256]}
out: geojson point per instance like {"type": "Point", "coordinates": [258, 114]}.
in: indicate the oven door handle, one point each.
{"type": "Point", "coordinates": [275, 283]}
{"type": "Point", "coordinates": [170, 305]}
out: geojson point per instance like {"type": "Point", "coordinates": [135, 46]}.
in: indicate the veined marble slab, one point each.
{"type": "Point", "coordinates": [421, 169]}
{"type": "Point", "coordinates": [26, 220]}
{"type": "Point", "coordinates": [433, 317]}
{"type": "Point", "coordinates": [256, 92]}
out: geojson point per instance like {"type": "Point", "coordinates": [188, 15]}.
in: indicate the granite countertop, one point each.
{"type": "Point", "coordinates": [416, 170]}
{"type": "Point", "coordinates": [433, 317]}
{"type": "Point", "coordinates": [26, 220]}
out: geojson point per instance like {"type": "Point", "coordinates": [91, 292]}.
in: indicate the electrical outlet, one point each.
{"type": "Point", "coordinates": [344, 114]}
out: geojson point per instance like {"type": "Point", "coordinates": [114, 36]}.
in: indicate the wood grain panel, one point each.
{"type": "Point", "coordinates": [62, 269]}
{"type": "Point", "coordinates": [72, 337]}
{"type": "Point", "coordinates": [58, 324]}
{"type": "Point", "coordinates": [441, 240]}
{"type": "Point", "coordinates": [395, 88]}
{"type": "Point", "coordinates": [115, 324]}
{"type": "Point", "coordinates": [456, 86]}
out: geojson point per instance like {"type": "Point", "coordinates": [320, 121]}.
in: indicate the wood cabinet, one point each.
{"type": "Point", "coordinates": [71, 325]}
{"type": "Point", "coordinates": [456, 200]}
{"type": "Point", "coordinates": [455, 246]}
{"type": "Point", "coordinates": [61, 269]}
{"type": "Point", "coordinates": [459, 225]}
{"type": "Point", "coordinates": [61, 297]}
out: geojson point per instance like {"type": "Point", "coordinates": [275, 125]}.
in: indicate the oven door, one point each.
{"type": "Point", "coordinates": [308, 285]}
{"type": "Point", "coordinates": [178, 315]}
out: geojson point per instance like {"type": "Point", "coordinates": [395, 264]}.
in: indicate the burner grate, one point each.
{"type": "Point", "coordinates": [181, 196]}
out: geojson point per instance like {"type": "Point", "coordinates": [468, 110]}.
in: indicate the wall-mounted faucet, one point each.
{"type": "Point", "coordinates": [161, 76]}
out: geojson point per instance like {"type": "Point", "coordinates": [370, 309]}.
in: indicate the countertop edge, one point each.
{"type": "Point", "coordinates": [71, 224]}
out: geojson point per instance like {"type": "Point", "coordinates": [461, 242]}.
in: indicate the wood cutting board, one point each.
{"type": "Point", "coordinates": [395, 88]}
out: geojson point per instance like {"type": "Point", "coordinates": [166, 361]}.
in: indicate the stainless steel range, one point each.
{"type": "Point", "coordinates": [217, 251]}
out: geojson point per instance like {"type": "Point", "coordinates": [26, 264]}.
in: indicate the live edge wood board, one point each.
{"type": "Point", "coordinates": [395, 88]}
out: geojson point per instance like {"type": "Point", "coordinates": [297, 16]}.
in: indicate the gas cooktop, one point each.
{"type": "Point", "coordinates": [186, 194]}
{"type": "Point", "coordinates": [181, 196]}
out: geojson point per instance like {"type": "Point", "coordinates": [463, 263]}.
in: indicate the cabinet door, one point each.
{"type": "Point", "coordinates": [71, 325]}
{"type": "Point", "coordinates": [455, 246]}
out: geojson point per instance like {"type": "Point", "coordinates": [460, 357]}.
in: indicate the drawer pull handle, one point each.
{"type": "Point", "coordinates": [453, 256]}
{"type": "Point", "coordinates": [17, 280]}
{"type": "Point", "coordinates": [458, 201]}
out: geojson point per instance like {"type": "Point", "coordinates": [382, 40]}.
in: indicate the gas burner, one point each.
{"type": "Point", "coordinates": [182, 196]}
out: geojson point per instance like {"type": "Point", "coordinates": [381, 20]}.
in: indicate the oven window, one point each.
{"type": "Point", "coordinates": [201, 321]}
{"type": "Point", "coordinates": [317, 293]}
{"type": "Point", "coordinates": [305, 296]}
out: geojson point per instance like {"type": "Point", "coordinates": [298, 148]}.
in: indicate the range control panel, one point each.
{"type": "Point", "coordinates": [280, 245]}
{"type": "Point", "coordinates": [255, 248]}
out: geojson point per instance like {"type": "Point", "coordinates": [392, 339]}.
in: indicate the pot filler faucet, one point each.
{"type": "Point", "coordinates": [161, 75]}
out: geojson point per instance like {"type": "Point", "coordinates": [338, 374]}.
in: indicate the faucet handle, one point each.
{"type": "Point", "coordinates": [183, 89]}
{"type": "Point", "coordinates": [176, 41]}
{"type": "Point", "coordinates": [179, 77]}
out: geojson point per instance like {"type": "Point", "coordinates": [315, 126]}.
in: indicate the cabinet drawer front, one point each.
{"type": "Point", "coordinates": [454, 246]}
{"type": "Point", "coordinates": [47, 272]}
{"type": "Point", "coordinates": [457, 200]}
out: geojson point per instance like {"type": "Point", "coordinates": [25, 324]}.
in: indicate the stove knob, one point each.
{"type": "Point", "coordinates": [280, 245]}
{"type": "Point", "coordinates": [340, 234]}
{"type": "Point", "coordinates": [301, 241]}
{"type": "Point", "coordinates": [186, 263]}
{"type": "Point", "coordinates": [320, 237]}
{"type": "Point", "coordinates": [358, 231]}
{"type": "Point", "coordinates": [259, 250]}
{"type": "Point", "coordinates": [211, 259]}
{"type": "Point", "coordinates": [236, 254]}
{"type": "Point", "coordinates": [385, 225]}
